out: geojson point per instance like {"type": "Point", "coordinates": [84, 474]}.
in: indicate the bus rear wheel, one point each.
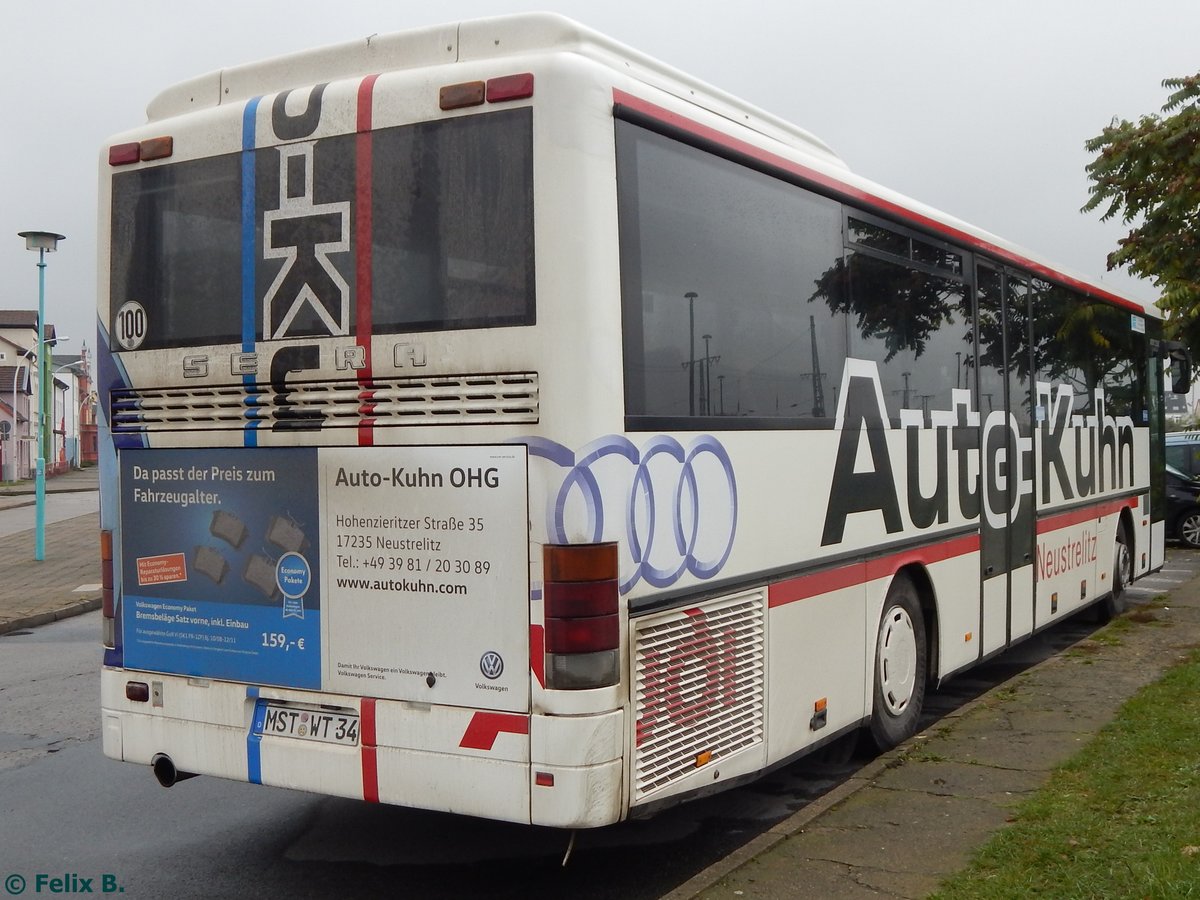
{"type": "Point", "coordinates": [1122, 575]}
{"type": "Point", "coordinates": [900, 666]}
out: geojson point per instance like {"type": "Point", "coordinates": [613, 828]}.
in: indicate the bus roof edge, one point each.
{"type": "Point", "coordinates": [469, 40]}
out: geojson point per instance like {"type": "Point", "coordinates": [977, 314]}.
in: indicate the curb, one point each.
{"type": "Point", "coordinates": [57, 490]}
{"type": "Point", "coordinates": [77, 608]}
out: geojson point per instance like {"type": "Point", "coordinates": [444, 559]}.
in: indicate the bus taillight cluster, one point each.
{"type": "Point", "coordinates": [583, 633]}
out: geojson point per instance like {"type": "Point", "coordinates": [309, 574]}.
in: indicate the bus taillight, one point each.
{"type": "Point", "coordinates": [583, 633]}
{"type": "Point", "coordinates": [107, 606]}
{"type": "Point", "coordinates": [510, 87]}
{"type": "Point", "coordinates": [494, 90]}
{"type": "Point", "coordinates": [141, 151]}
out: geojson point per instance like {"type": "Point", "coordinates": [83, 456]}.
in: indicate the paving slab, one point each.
{"type": "Point", "coordinates": [67, 581]}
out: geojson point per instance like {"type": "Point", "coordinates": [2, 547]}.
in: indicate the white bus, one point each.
{"type": "Point", "coordinates": [499, 421]}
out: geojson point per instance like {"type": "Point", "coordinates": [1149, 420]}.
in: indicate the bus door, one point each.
{"type": "Point", "coordinates": [1007, 521]}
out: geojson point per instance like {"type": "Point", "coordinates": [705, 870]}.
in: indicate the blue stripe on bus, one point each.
{"type": "Point", "coordinates": [249, 121]}
{"type": "Point", "coordinates": [112, 372]}
{"type": "Point", "coordinates": [254, 738]}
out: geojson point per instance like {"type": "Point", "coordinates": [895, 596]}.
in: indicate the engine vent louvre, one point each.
{"type": "Point", "coordinates": [699, 682]}
{"type": "Point", "coordinates": [465, 399]}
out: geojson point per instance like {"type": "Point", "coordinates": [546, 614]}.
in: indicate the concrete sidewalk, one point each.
{"type": "Point", "coordinates": [67, 581]}
{"type": "Point", "coordinates": [915, 815]}
{"type": "Point", "coordinates": [22, 493]}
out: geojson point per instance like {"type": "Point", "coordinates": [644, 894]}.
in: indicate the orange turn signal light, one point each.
{"type": "Point", "coordinates": [456, 96]}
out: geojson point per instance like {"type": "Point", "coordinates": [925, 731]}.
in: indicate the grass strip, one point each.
{"type": "Point", "coordinates": [1120, 819]}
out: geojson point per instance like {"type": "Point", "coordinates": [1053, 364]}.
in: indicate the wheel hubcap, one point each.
{"type": "Point", "coordinates": [1190, 531]}
{"type": "Point", "coordinates": [897, 660]}
{"type": "Point", "coordinates": [1124, 565]}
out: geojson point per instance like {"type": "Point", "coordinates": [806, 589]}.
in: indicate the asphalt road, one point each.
{"type": "Point", "coordinates": [67, 810]}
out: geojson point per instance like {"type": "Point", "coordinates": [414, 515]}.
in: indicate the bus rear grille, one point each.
{"type": "Point", "coordinates": [384, 403]}
{"type": "Point", "coordinates": [699, 688]}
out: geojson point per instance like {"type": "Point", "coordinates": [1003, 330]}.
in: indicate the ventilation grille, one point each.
{"type": "Point", "coordinates": [699, 683]}
{"type": "Point", "coordinates": [467, 399]}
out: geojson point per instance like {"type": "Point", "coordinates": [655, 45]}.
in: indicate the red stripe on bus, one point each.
{"type": "Point", "coordinates": [364, 178]}
{"type": "Point", "coordinates": [859, 573]}
{"type": "Point", "coordinates": [854, 574]}
{"type": "Point", "coordinates": [850, 192]}
{"type": "Point", "coordinates": [537, 653]}
{"type": "Point", "coordinates": [366, 433]}
{"type": "Point", "coordinates": [485, 727]}
{"type": "Point", "coordinates": [886, 566]}
{"type": "Point", "coordinates": [806, 586]}
{"type": "Point", "coordinates": [1088, 513]}
{"type": "Point", "coordinates": [367, 739]}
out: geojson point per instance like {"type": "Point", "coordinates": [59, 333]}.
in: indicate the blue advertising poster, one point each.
{"type": "Point", "coordinates": [220, 551]}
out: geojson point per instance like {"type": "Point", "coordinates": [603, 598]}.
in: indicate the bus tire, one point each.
{"type": "Point", "coordinates": [1122, 574]}
{"type": "Point", "coordinates": [900, 666]}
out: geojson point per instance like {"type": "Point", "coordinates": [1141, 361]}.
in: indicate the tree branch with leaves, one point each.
{"type": "Point", "coordinates": [1148, 173]}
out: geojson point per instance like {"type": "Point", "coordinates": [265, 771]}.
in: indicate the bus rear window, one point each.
{"type": "Point", "coordinates": [451, 237]}
{"type": "Point", "coordinates": [176, 251]}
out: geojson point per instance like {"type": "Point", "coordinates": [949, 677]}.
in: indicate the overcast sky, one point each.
{"type": "Point", "coordinates": [979, 109]}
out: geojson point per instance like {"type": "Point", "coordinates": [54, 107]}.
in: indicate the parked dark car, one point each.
{"type": "Point", "coordinates": [1183, 452]}
{"type": "Point", "coordinates": [1183, 507]}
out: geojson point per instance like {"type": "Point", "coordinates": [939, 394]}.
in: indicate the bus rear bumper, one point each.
{"type": "Point", "coordinates": [447, 759]}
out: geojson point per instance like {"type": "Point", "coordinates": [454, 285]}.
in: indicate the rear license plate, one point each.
{"type": "Point", "coordinates": [306, 724]}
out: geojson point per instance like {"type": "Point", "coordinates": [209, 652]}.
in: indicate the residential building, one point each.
{"type": "Point", "coordinates": [20, 395]}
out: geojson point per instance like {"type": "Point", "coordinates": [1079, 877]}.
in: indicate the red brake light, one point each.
{"type": "Point", "coordinates": [566, 599]}
{"type": "Point", "coordinates": [137, 691]}
{"type": "Point", "coordinates": [589, 635]}
{"type": "Point", "coordinates": [510, 87]}
{"type": "Point", "coordinates": [124, 154]}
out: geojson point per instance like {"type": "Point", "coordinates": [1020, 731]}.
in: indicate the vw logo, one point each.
{"type": "Point", "coordinates": [491, 664]}
{"type": "Point", "coordinates": [677, 505]}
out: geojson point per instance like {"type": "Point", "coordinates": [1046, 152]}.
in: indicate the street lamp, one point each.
{"type": "Point", "coordinates": [43, 242]}
{"type": "Point", "coordinates": [690, 297]}
{"type": "Point", "coordinates": [706, 378]}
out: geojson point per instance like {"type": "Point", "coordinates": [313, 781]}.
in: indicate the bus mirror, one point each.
{"type": "Point", "coordinates": [1181, 371]}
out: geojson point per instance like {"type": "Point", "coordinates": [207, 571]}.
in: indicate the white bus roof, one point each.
{"type": "Point", "coordinates": [545, 33]}
{"type": "Point", "coordinates": [477, 39]}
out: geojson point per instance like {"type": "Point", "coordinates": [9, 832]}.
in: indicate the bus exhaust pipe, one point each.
{"type": "Point", "coordinates": [165, 771]}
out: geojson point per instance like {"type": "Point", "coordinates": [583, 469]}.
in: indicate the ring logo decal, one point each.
{"type": "Point", "coordinates": [672, 508]}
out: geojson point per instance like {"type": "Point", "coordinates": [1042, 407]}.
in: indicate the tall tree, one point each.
{"type": "Point", "coordinates": [1148, 173]}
